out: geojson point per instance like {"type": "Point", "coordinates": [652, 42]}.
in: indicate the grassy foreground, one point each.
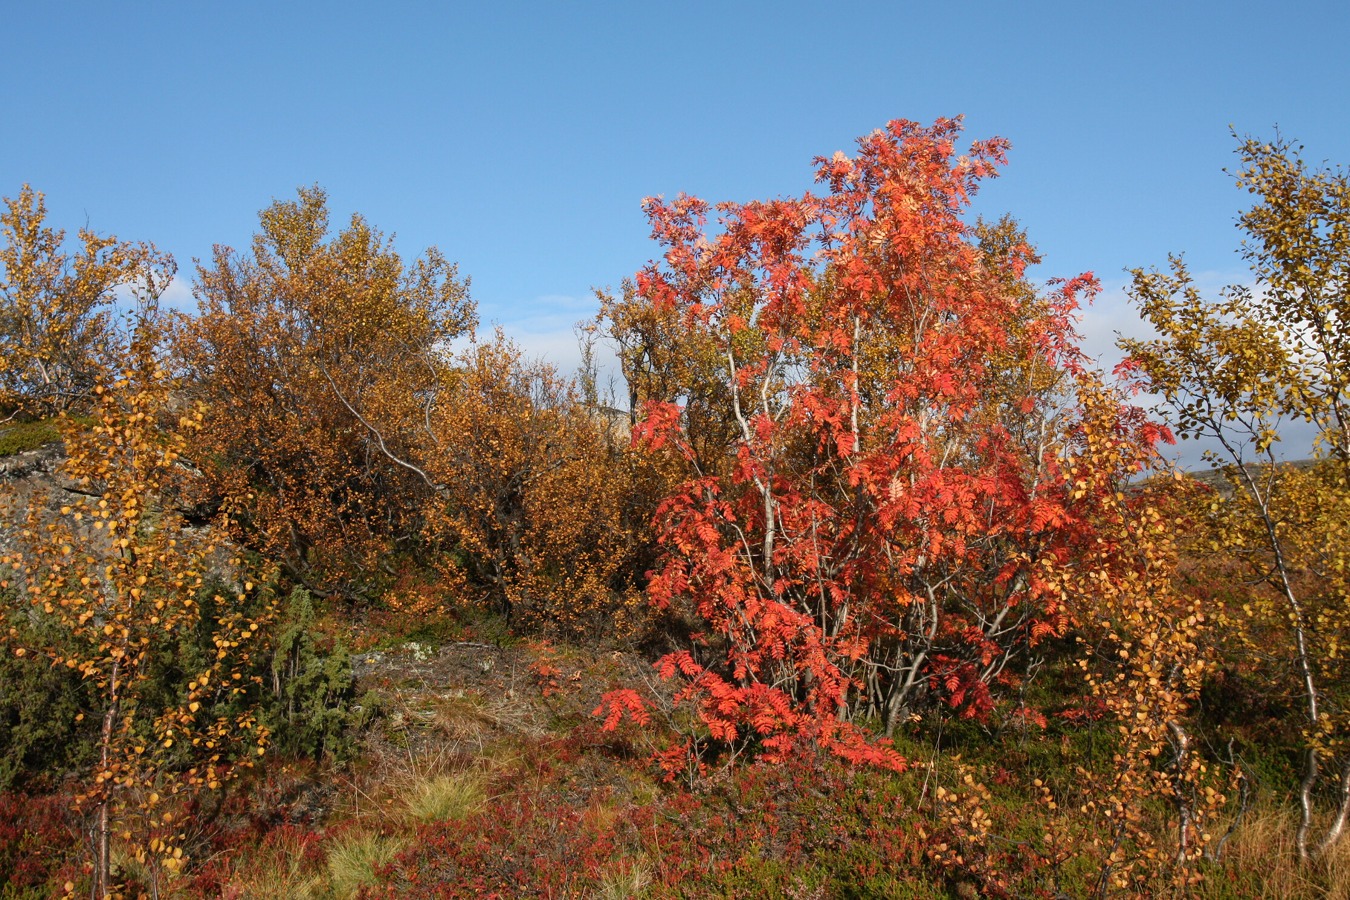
{"type": "Point", "coordinates": [484, 774]}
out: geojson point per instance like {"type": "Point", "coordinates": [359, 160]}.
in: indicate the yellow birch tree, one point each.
{"type": "Point", "coordinates": [1237, 370]}
{"type": "Point", "coordinates": [118, 576]}
{"type": "Point", "coordinates": [57, 331]}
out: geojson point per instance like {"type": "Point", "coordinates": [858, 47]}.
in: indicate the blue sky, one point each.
{"type": "Point", "coordinates": [520, 138]}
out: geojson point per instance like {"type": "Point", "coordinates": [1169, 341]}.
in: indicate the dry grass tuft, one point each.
{"type": "Point", "coordinates": [625, 879]}
{"type": "Point", "coordinates": [1261, 861]}
{"type": "Point", "coordinates": [281, 869]}
{"type": "Point", "coordinates": [446, 797]}
{"type": "Point", "coordinates": [354, 859]}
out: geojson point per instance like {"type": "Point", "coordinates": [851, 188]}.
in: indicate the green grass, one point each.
{"type": "Point", "coordinates": [16, 437]}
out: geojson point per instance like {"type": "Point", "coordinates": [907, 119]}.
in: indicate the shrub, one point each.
{"type": "Point", "coordinates": [924, 478]}
{"type": "Point", "coordinates": [313, 707]}
{"type": "Point", "coordinates": [112, 581]}
{"type": "Point", "coordinates": [315, 354]}
{"type": "Point", "coordinates": [18, 437]}
{"type": "Point", "coordinates": [38, 835]}
{"type": "Point", "coordinates": [39, 704]}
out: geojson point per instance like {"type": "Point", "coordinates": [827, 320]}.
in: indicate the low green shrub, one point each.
{"type": "Point", "coordinates": [314, 710]}
{"type": "Point", "coordinates": [16, 437]}
{"type": "Point", "coordinates": [39, 703]}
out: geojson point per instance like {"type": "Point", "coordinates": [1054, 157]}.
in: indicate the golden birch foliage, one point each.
{"type": "Point", "coordinates": [57, 331]}
{"type": "Point", "coordinates": [317, 355]}
{"type": "Point", "coordinates": [119, 577]}
{"type": "Point", "coordinates": [1141, 822]}
{"type": "Point", "coordinates": [664, 361]}
{"type": "Point", "coordinates": [1232, 371]}
{"type": "Point", "coordinates": [535, 494]}
{"type": "Point", "coordinates": [1147, 651]}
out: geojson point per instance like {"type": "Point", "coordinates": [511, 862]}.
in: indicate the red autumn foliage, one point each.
{"type": "Point", "coordinates": [39, 835]}
{"type": "Point", "coordinates": [895, 521]}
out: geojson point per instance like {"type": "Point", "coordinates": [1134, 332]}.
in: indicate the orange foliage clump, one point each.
{"type": "Point", "coordinates": [57, 329]}
{"type": "Point", "coordinates": [534, 497]}
{"type": "Point", "coordinates": [291, 341]}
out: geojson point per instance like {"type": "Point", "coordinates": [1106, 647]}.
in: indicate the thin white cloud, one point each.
{"type": "Point", "coordinates": [546, 330]}
{"type": "Point", "coordinates": [177, 296]}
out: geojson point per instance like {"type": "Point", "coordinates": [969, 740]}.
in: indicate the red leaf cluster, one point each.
{"type": "Point", "coordinates": [909, 468]}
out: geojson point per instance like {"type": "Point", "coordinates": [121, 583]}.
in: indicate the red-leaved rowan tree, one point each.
{"type": "Point", "coordinates": [897, 518]}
